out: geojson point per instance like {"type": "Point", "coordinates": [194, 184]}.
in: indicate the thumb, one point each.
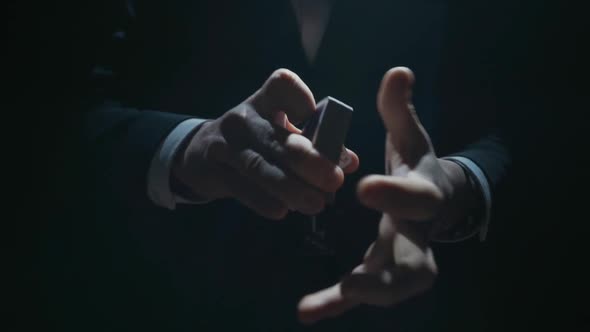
{"type": "Point", "coordinates": [394, 102]}
{"type": "Point", "coordinates": [284, 91]}
{"type": "Point", "coordinates": [403, 198]}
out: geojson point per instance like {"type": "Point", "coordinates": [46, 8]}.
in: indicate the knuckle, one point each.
{"type": "Point", "coordinates": [331, 179]}
{"type": "Point", "coordinates": [280, 80]}
{"type": "Point", "coordinates": [234, 125]}
{"type": "Point", "coordinates": [283, 74]}
{"type": "Point", "coordinates": [278, 149]}
{"type": "Point", "coordinates": [253, 163]}
{"type": "Point", "coordinates": [239, 116]}
{"type": "Point", "coordinates": [296, 195]}
{"type": "Point", "coordinates": [231, 123]}
{"type": "Point", "coordinates": [236, 115]}
{"type": "Point", "coordinates": [216, 149]}
{"type": "Point", "coordinates": [298, 149]}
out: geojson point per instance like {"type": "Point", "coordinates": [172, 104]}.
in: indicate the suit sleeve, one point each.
{"type": "Point", "coordinates": [481, 119]}
{"type": "Point", "coordinates": [484, 83]}
{"type": "Point", "coordinates": [110, 139]}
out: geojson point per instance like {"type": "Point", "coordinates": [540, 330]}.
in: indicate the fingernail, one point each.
{"type": "Point", "coordinates": [344, 159]}
{"type": "Point", "coordinates": [280, 119]}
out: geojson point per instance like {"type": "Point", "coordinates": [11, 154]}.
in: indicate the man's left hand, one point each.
{"type": "Point", "coordinates": [420, 194]}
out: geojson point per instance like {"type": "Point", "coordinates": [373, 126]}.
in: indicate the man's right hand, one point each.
{"type": "Point", "coordinates": [253, 153]}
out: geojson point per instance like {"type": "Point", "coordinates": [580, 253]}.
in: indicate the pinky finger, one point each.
{"type": "Point", "coordinates": [254, 197]}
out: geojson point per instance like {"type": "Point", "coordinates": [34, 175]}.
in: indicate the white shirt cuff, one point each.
{"type": "Point", "coordinates": [159, 172]}
{"type": "Point", "coordinates": [479, 176]}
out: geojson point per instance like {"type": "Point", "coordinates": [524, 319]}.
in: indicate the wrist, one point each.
{"type": "Point", "coordinates": [178, 171]}
{"type": "Point", "coordinates": [160, 168]}
{"type": "Point", "coordinates": [465, 198]}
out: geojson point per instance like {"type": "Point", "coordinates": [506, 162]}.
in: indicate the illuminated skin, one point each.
{"type": "Point", "coordinates": [418, 187]}
{"type": "Point", "coordinates": [253, 153]}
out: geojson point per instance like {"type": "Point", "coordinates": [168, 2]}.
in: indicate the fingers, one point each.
{"type": "Point", "coordinates": [401, 197]}
{"type": "Point", "coordinates": [394, 98]}
{"type": "Point", "coordinates": [379, 254]}
{"type": "Point", "coordinates": [253, 197]}
{"type": "Point", "coordinates": [277, 183]}
{"type": "Point", "coordinates": [382, 287]}
{"type": "Point", "coordinates": [352, 162]}
{"type": "Point", "coordinates": [360, 287]}
{"type": "Point", "coordinates": [267, 148]}
{"type": "Point", "coordinates": [399, 117]}
{"type": "Point", "coordinates": [349, 161]}
{"type": "Point", "coordinates": [280, 119]}
{"type": "Point", "coordinates": [325, 303]}
{"type": "Point", "coordinates": [369, 288]}
{"type": "Point", "coordinates": [387, 287]}
{"type": "Point", "coordinates": [245, 129]}
{"type": "Point", "coordinates": [284, 91]}
{"type": "Point", "coordinates": [303, 159]}
{"type": "Point", "coordinates": [411, 248]}
{"type": "Point", "coordinates": [299, 156]}
{"type": "Point", "coordinates": [395, 268]}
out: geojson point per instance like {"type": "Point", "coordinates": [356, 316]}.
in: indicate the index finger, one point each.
{"type": "Point", "coordinates": [349, 161]}
{"type": "Point", "coordinates": [284, 91]}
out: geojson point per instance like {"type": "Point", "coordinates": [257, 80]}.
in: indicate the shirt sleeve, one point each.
{"type": "Point", "coordinates": [159, 190]}
{"type": "Point", "coordinates": [479, 223]}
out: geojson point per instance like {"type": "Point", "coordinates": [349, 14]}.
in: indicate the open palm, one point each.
{"type": "Point", "coordinates": [415, 189]}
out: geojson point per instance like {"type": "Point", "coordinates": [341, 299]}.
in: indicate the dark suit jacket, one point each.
{"type": "Point", "coordinates": [143, 67]}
